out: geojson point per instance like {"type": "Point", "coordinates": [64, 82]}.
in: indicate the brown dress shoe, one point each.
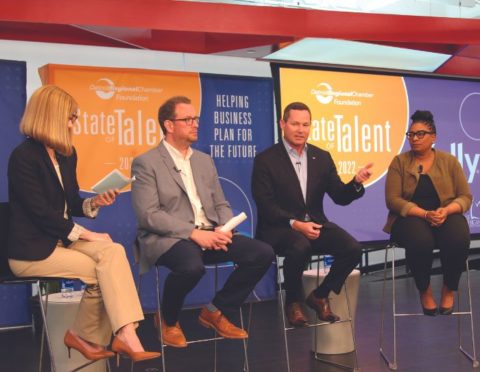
{"type": "Point", "coordinates": [322, 308]}
{"type": "Point", "coordinates": [172, 335]}
{"type": "Point", "coordinates": [220, 324]}
{"type": "Point", "coordinates": [295, 315]}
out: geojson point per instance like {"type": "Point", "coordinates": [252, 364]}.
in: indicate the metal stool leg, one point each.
{"type": "Point", "coordinates": [282, 309]}
{"type": "Point", "coordinates": [315, 330]}
{"type": "Point", "coordinates": [43, 310]}
{"type": "Point", "coordinates": [215, 333]}
{"type": "Point", "coordinates": [352, 328]}
{"type": "Point", "coordinates": [473, 358]}
{"type": "Point", "coordinates": [394, 311]}
{"type": "Point", "coordinates": [391, 365]}
{"type": "Point", "coordinates": [42, 342]}
{"type": "Point", "coordinates": [162, 347]}
{"type": "Point", "coordinates": [245, 343]}
{"type": "Point", "coordinates": [382, 309]}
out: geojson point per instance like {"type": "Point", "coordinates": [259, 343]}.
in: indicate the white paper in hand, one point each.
{"type": "Point", "coordinates": [234, 222]}
{"type": "Point", "coordinates": [114, 180]}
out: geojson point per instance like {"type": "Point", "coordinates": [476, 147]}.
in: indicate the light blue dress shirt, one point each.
{"type": "Point", "coordinates": [299, 163]}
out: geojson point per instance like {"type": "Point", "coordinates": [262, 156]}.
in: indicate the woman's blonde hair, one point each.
{"type": "Point", "coordinates": [46, 118]}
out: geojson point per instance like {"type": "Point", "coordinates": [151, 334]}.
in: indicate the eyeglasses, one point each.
{"type": "Point", "coordinates": [420, 134]}
{"type": "Point", "coordinates": [73, 118]}
{"type": "Point", "coordinates": [188, 121]}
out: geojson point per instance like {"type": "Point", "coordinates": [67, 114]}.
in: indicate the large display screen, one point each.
{"type": "Point", "coordinates": [362, 117]}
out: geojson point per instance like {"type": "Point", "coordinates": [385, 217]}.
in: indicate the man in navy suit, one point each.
{"type": "Point", "coordinates": [289, 182]}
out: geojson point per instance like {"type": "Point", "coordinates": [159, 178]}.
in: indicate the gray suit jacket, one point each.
{"type": "Point", "coordinates": [161, 203]}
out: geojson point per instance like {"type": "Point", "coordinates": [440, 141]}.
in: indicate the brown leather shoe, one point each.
{"type": "Point", "coordinates": [295, 315]}
{"type": "Point", "coordinates": [220, 324]}
{"type": "Point", "coordinates": [172, 335]}
{"type": "Point", "coordinates": [322, 308]}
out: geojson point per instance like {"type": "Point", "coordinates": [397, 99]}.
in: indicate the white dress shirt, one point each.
{"type": "Point", "coordinates": [183, 167]}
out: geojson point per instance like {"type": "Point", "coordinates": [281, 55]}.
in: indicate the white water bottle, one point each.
{"type": "Point", "coordinates": [67, 288]}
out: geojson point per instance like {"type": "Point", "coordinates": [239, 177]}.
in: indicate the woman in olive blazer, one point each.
{"type": "Point", "coordinates": [426, 194]}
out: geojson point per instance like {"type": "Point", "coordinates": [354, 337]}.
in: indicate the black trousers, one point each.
{"type": "Point", "coordinates": [297, 250]}
{"type": "Point", "coordinates": [419, 239]}
{"type": "Point", "coordinates": [187, 263]}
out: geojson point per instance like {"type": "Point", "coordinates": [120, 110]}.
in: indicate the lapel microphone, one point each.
{"type": "Point", "coordinates": [420, 169]}
{"type": "Point", "coordinates": [176, 169]}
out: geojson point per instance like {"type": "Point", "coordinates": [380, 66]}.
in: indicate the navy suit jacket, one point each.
{"type": "Point", "coordinates": [37, 201]}
{"type": "Point", "coordinates": [278, 195]}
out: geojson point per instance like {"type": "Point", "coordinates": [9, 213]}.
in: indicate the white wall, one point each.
{"type": "Point", "coordinates": [38, 54]}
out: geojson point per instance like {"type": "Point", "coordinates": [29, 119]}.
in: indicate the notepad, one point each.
{"type": "Point", "coordinates": [114, 180]}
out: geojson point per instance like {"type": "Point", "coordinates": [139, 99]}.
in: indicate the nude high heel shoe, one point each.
{"type": "Point", "coordinates": [72, 341]}
{"type": "Point", "coordinates": [119, 347]}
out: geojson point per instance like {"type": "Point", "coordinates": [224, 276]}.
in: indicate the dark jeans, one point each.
{"type": "Point", "coordinates": [297, 250]}
{"type": "Point", "coordinates": [187, 263]}
{"type": "Point", "coordinates": [419, 239]}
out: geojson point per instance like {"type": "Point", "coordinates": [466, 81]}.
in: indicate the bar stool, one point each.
{"type": "Point", "coordinates": [393, 364]}
{"type": "Point", "coordinates": [213, 339]}
{"type": "Point", "coordinates": [318, 323]}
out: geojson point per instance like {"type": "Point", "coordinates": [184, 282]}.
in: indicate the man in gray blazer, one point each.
{"type": "Point", "coordinates": [180, 207]}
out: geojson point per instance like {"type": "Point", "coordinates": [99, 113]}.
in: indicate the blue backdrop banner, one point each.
{"type": "Point", "coordinates": [14, 299]}
{"type": "Point", "coordinates": [236, 124]}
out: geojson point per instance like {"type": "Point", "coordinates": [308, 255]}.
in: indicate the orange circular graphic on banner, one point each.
{"type": "Point", "coordinates": [118, 113]}
{"type": "Point", "coordinates": [358, 118]}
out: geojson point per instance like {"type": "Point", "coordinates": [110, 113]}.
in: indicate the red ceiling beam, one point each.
{"type": "Point", "coordinates": [173, 41]}
{"type": "Point", "coordinates": [460, 66]}
{"type": "Point", "coordinates": [51, 33]}
{"type": "Point", "coordinates": [184, 41]}
{"type": "Point", "coordinates": [247, 20]}
{"type": "Point", "coordinates": [470, 51]}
